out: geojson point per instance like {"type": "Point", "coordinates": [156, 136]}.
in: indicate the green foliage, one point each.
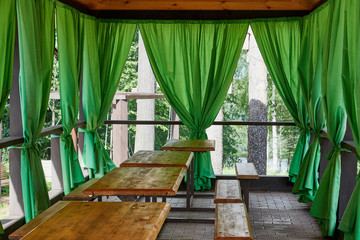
{"type": "Point", "coordinates": [236, 108]}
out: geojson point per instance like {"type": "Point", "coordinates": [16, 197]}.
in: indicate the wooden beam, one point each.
{"type": "Point", "coordinates": [247, 5]}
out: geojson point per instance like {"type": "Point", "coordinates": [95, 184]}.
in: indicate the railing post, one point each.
{"type": "Point", "coordinates": [326, 147]}
{"type": "Point", "coordinates": [120, 132]}
{"type": "Point", "coordinates": [348, 174]}
{"type": "Point", "coordinates": [56, 169]}
{"type": "Point", "coordinates": [16, 199]}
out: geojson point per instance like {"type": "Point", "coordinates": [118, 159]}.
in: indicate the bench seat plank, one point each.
{"type": "Point", "coordinates": [228, 191]}
{"type": "Point", "coordinates": [232, 222]}
{"type": "Point", "coordinates": [78, 195]}
{"type": "Point", "coordinates": [246, 171]}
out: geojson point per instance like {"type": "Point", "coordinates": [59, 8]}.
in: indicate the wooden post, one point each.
{"type": "Point", "coordinates": [120, 132]}
{"type": "Point", "coordinates": [16, 199]}
{"type": "Point", "coordinates": [56, 169]}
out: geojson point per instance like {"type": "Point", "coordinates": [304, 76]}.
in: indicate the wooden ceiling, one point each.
{"type": "Point", "coordinates": [196, 5]}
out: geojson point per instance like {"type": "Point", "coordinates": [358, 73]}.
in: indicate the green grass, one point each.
{"type": "Point", "coordinates": [228, 171]}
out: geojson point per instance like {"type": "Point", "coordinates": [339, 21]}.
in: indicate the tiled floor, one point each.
{"type": "Point", "coordinates": [273, 215]}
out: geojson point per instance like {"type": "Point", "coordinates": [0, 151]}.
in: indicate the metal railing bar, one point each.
{"type": "Point", "coordinates": [225, 123]}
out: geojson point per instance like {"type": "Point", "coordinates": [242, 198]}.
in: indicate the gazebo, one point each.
{"type": "Point", "coordinates": [310, 47]}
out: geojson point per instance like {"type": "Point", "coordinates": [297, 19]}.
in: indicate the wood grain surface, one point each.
{"type": "Point", "coordinates": [246, 171]}
{"type": "Point", "coordinates": [228, 191]}
{"type": "Point", "coordinates": [189, 145]}
{"type": "Point", "coordinates": [42, 217]}
{"type": "Point", "coordinates": [138, 181]}
{"type": "Point", "coordinates": [104, 220]}
{"type": "Point", "coordinates": [78, 195]}
{"type": "Point", "coordinates": [198, 4]}
{"type": "Point", "coordinates": [232, 222]}
{"type": "Point", "coordinates": [159, 159]}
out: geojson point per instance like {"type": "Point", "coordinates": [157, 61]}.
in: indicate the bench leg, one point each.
{"type": "Point", "coordinates": [154, 199]}
{"type": "Point", "coordinates": [163, 199]}
{"type": "Point", "coordinates": [245, 188]}
{"type": "Point", "coordinates": [147, 199]}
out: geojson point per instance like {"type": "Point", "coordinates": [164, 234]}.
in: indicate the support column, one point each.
{"type": "Point", "coordinates": [215, 132]}
{"type": "Point", "coordinates": [120, 132]}
{"type": "Point", "coordinates": [16, 129]}
{"type": "Point", "coordinates": [145, 134]}
{"type": "Point", "coordinates": [56, 169]}
{"type": "Point", "coordinates": [257, 135]}
{"type": "Point", "coordinates": [174, 129]}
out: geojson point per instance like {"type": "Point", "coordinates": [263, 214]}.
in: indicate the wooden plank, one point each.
{"type": "Point", "coordinates": [37, 221]}
{"type": "Point", "coordinates": [104, 220]}
{"type": "Point", "coordinates": [189, 145]}
{"type": "Point", "coordinates": [246, 171]}
{"type": "Point", "coordinates": [77, 194]}
{"type": "Point", "coordinates": [227, 191]}
{"type": "Point", "coordinates": [138, 181]}
{"type": "Point", "coordinates": [159, 159]}
{"type": "Point", "coordinates": [246, 5]}
{"type": "Point", "coordinates": [232, 222]}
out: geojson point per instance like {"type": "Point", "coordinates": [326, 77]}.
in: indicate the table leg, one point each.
{"type": "Point", "coordinates": [164, 199]}
{"type": "Point", "coordinates": [192, 166]}
{"type": "Point", "coordinates": [245, 188]}
{"type": "Point", "coordinates": [147, 199]}
{"type": "Point", "coordinates": [154, 199]}
{"type": "Point", "coordinates": [188, 188]}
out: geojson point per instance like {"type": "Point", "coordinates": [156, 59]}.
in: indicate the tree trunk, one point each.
{"type": "Point", "coordinates": [257, 135]}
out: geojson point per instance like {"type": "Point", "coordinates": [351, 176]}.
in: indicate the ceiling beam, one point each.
{"type": "Point", "coordinates": [191, 5]}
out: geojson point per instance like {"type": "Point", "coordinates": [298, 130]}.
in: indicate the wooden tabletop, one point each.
{"type": "Point", "coordinates": [246, 171]}
{"type": "Point", "coordinates": [190, 145]}
{"type": "Point", "coordinates": [138, 181]}
{"type": "Point", "coordinates": [159, 159]}
{"type": "Point", "coordinates": [103, 220]}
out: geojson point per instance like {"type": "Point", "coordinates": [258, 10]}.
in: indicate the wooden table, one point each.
{"type": "Point", "coordinates": [246, 172]}
{"type": "Point", "coordinates": [196, 145]}
{"type": "Point", "coordinates": [100, 220]}
{"type": "Point", "coordinates": [138, 181]}
{"type": "Point", "coordinates": [159, 159]}
{"type": "Point", "coordinates": [190, 145]}
{"type": "Point", "coordinates": [163, 159]}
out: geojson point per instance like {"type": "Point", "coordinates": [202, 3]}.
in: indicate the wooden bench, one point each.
{"type": "Point", "coordinates": [78, 195]}
{"type": "Point", "coordinates": [228, 191]}
{"type": "Point", "coordinates": [246, 172]}
{"type": "Point", "coordinates": [232, 222]}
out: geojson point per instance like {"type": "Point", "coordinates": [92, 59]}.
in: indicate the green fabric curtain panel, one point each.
{"type": "Point", "coordinates": [279, 44]}
{"type": "Point", "coordinates": [350, 222]}
{"type": "Point", "coordinates": [325, 204]}
{"type": "Point", "coordinates": [310, 69]}
{"type": "Point", "coordinates": [7, 39]}
{"type": "Point", "coordinates": [69, 31]}
{"type": "Point", "coordinates": [106, 47]}
{"type": "Point", "coordinates": [194, 63]}
{"type": "Point", "coordinates": [36, 26]}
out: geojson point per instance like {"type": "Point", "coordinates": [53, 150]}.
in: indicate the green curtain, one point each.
{"type": "Point", "coordinates": [194, 63]}
{"type": "Point", "coordinates": [325, 204]}
{"type": "Point", "coordinates": [36, 28]}
{"type": "Point", "coordinates": [279, 44]}
{"type": "Point", "coordinates": [7, 39]}
{"type": "Point", "coordinates": [70, 57]}
{"type": "Point", "coordinates": [106, 47]}
{"type": "Point", "coordinates": [350, 222]}
{"type": "Point", "coordinates": [310, 69]}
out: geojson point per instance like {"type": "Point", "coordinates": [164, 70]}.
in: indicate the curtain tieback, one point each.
{"type": "Point", "coordinates": [28, 146]}
{"type": "Point", "coordinates": [94, 133]}
{"type": "Point", "coordinates": [336, 149]}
